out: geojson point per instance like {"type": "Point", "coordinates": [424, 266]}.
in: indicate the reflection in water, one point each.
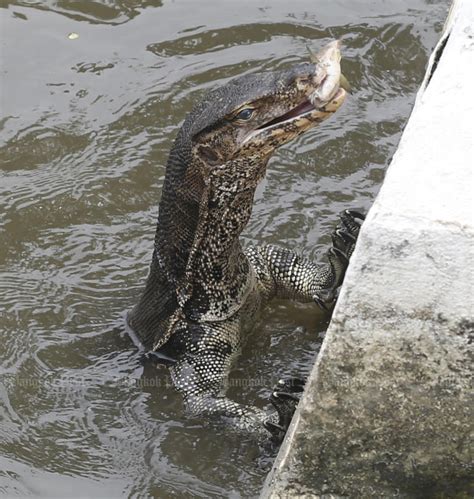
{"type": "Point", "coordinates": [86, 125]}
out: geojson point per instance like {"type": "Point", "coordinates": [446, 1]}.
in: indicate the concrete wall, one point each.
{"type": "Point", "coordinates": [386, 411]}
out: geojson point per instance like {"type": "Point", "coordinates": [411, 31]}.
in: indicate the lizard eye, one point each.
{"type": "Point", "coordinates": [245, 114]}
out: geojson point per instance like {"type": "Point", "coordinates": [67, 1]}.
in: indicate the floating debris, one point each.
{"type": "Point", "coordinates": [73, 36]}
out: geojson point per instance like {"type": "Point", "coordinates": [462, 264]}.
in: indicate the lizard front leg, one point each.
{"type": "Point", "coordinates": [283, 274]}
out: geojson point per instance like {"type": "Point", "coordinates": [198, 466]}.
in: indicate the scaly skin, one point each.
{"type": "Point", "coordinates": [204, 291]}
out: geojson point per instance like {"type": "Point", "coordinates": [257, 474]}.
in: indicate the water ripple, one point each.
{"type": "Point", "coordinates": [84, 144]}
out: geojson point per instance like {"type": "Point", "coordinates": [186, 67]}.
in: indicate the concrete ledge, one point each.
{"type": "Point", "coordinates": [387, 410]}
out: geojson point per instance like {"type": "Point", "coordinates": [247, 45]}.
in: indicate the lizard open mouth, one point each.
{"type": "Point", "coordinates": [296, 112]}
{"type": "Point", "coordinates": [307, 110]}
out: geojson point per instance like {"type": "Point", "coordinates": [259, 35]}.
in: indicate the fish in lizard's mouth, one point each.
{"type": "Point", "coordinates": [313, 95]}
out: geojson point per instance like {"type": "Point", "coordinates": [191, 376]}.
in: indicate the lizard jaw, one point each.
{"type": "Point", "coordinates": [299, 119]}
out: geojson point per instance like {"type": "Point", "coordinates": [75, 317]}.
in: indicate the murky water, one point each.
{"type": "Point", "coordinates": [86, 125]}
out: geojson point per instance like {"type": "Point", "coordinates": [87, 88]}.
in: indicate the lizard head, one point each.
{"type": "Point", "coordinates": [222, 150]}
{"type": "Point", "coordinates": [237, 127]}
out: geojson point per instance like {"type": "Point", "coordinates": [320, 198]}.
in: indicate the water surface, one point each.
{"type": "Point", "coordinates": [86, 125]}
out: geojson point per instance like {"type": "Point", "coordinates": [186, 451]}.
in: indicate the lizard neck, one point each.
{"type": "Point", "coordinates": [200, 251]}
{"type": "Point", "coordinates": [198, 268]}
{"type": "Point", "coordinates": [197, 240]}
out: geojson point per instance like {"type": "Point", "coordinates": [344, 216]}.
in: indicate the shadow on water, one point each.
{"type": "Point", "coordinates": [86, 125]}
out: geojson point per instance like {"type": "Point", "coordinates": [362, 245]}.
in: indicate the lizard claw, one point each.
{"type": "Point", "coordinates": [284, 398]}
{"type": "Point", "coordinates": [351, 221]}
{"type": "Point", "coordinates": [277, 431]}
{"type": "Point", "coordinates": [291, 384]}
{"type": "Point", "coordinates": [336, 252]}
{"type": "Point", "coordinates": [320, 303]}
{"type": "Point", "coordinates": [344, 240]}
{"type": "Point", "coordinates": [340, 235]}
{"type": "Point", "coordinates": [355, 214]}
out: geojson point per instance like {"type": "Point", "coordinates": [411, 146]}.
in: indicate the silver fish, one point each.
{"type": "Point", "coordinates": [329, 57]}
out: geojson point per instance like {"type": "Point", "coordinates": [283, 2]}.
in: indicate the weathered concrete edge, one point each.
{"type": "Point", "coordinates": [383, 214]}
